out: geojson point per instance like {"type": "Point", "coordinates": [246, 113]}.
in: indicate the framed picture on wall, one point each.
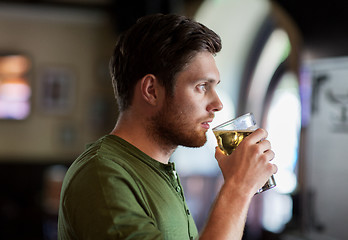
{"type": "Point", "coordinates": [56, 90]}
{"type": "Point", "coordinates": [15, 86]}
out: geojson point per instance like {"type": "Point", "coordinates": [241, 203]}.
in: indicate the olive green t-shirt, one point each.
{"type": "Point", "coordinates": [115, 191]}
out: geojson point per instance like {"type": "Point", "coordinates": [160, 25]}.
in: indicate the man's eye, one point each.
{"type": "Point", "coordinates": [203, 87]}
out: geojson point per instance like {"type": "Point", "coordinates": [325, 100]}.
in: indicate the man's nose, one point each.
{"type": "Point", "coordinates": [216, 104]}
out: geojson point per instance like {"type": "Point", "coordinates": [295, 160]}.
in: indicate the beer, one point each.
{"type": "Point", "coordinates": [228, 140]}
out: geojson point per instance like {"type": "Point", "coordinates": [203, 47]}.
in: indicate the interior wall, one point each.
{"type": "Point", "coordinates": [78, 42]}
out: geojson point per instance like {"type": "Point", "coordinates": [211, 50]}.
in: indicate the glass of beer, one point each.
{"type": "Point", "coordinates": [232, 132]}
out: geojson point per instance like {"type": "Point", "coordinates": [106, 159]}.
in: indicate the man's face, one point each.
{"type": "Point", "coordinates": [184, 118]}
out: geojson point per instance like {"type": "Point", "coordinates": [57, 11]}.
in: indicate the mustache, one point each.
{"type": "Point", "coordinates": [210, 117]}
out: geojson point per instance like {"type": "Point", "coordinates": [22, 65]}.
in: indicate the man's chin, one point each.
{"type": "Point", "coordinates": [196, 143]}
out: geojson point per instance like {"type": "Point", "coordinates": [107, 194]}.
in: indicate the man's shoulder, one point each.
{"type": "Point", "coordinates": [108, 151]}
{"type": "Point", "coordinates": [101, 163]}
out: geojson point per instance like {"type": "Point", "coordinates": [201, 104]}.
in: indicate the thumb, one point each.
{"type": "Point", "coordinates": [219, 154]}
{"type": "Point", "coordinates": [220, 157]}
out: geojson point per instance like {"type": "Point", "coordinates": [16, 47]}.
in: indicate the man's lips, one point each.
{"type": "Point", "coordinates": [206, 124]}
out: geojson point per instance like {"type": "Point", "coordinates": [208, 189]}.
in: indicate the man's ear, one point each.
{"type": "Point", "coordinates": [150, 89]}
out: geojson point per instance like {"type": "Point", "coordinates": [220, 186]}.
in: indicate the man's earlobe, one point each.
{"type": "Point", "coordinates": [149, 89]}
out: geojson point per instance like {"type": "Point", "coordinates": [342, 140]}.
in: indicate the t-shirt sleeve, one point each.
{"type": "Point", "coordinates": [105, 202]}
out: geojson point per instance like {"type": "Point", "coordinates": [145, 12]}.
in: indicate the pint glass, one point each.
{"type": "Point", "coordinates": [231, 133]}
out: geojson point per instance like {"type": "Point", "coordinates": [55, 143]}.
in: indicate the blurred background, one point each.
{"type": "Point", "coordinates": [285, 61]}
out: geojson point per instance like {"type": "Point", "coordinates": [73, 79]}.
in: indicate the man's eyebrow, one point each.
{"type": "Point", "coordinates": [208, 80]}
{"type": "Point", "coordinates": [213, 81]}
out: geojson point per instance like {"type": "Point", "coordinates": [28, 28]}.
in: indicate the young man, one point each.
{"type": "Point", "coordinates": [123, 186]}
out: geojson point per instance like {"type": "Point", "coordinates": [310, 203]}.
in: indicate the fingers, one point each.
{"type": "Point", "coordinates": [264, 145]}
{"type": "Point", "coordinates": [267, 157]}
{"type": "Point", "coordinates": [258, 139]}
{"type": "Point", "coordinates": [258, 135]}
{"type": "Point", "coordinates": [261, 147]}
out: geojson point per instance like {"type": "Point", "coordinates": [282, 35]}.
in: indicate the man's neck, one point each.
{"type": "Point", "coordinates": [133, 130]}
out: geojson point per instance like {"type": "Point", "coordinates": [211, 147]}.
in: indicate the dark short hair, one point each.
{"type": "Point", "coordinates": [160, 45]}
